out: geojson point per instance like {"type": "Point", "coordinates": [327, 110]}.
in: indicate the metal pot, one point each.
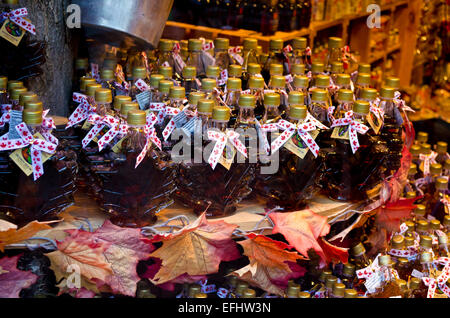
{"type": "Point", "coordinates": [125, 23]}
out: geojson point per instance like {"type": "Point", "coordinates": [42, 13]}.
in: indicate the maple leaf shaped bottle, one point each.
{"type": "Point", "coordinates": [134, 192]}
{"type": "Point", "coordinates": [23, 199]}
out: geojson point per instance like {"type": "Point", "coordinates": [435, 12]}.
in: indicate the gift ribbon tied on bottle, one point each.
{"type": "Point", "coordinates": [151, 137]}
{"type": "Point", "coordinates": [142, 85]}
{"type": "Point", "coordinates": [428, 160]}
{"type": "Point", "coordinates": [98, 123]}
{"type": "Point", "coordinates": [36, 147]}
{"type": "Point", "coordinates": [116, 128]}
{"type": "Point", "coordinates": [354, 128]}
{"type": "Point", "coordinates": [221, 140]}
{"type": "Point", "coordinates": [376, 110]}
{"type": "Point", "coordinates": [6, 116]}
{"type": "Point", "coordinates": [82, 112]}
{"type": "Point", "coordinates": [17, 17]}
{"type": "Point", "coordinates": [234, 52]}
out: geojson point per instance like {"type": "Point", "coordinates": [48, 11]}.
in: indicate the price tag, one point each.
{"type": "Point", "coordinates": [143, 99]}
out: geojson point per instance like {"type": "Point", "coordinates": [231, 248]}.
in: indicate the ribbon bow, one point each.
{"type": "Point", "coordinates": [288, 49]}
{"type": "Point", "coordinates": [302, 130]}
{"type": "Point", "coordinates": [221, 141]}
{"type": "Point", "coordinates": [376, 110]}
{"type": "Point", "coordinates": [98, 122]}
{"type": "Point", "coordinates": [17, 17]}
{"type": "Point", "coordinates": [427, 161]}
{"type": "Point", "coordinates": [36, 147]}
{"type": "Point", "coordinates": [354, 127]}
{"type": "Point", "coordinates": [83, 110]}
{"type": "Point", "coordinates": [431, 283]}
{"type": "Point", "coordinates": [116, 128]}
{"type": "Point", "coordinates": [151, 137]}
{"type": "Point", "coordinates": [264, 130]}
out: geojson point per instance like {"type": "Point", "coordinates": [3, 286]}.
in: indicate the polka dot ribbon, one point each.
{"type": "Point", "coordinates": [264, 130]}
{"type": "Point", "coordinates": [354, 126]}
{"type": "Point", "coordinates": [302, 130]}
{"type": "Point", "coordinates": [36, 147]}
{"type": "Point", "coordinates": [221, 141]}
{"type": "Point", "coordinates": [168, 111]}
{"type": "Point", "coordinates": [6, 116]}
{"type": "Point", "coordinates": [142, 85]}
{"type": "Point", "coordinates": [116, 128]}
{"type": "Point", "coordinates": [223, 78]}
{"type": "Point", "coordinates": [151, 137]}
{"type": "Point", "coordinates": [376, 110]}
{"type": "Point", "coordinates": [82, 112]}
{"type": "Point", "coordinates": [98, 123]}
{"type": "Point", "coordinates": [17, 17]}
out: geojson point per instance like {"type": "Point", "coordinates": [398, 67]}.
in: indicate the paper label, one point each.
{"type": "Point", "coordinates": [297, 146]}
{"type": "Point", "coordinates": [227, 158]}
{"type": "Point", "coordinates": [374, 123]}
{"type": "Point", "coordinates": [143, 99]}
{"type": "Point", "coordinates": [417, 274]}
{"type": "Point", "coordinates": [180, 119]}
{"type": "Point", "coordinates": [374, 282]}
{"type": "Point", "coordinates": [11, 32]}
{"type": "Point", "coordinates": [189, 127]}
{"type": "Point", "coordinates": [118, 146]}
{"type": "Point", "coordinates": [22, 157]}
{"type": "Point", "coordinates": [16, 119]}
{"type": "Point", "coordinates": [341, 132]}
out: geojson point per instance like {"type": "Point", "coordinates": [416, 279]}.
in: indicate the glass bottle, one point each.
{"type": "Point", "coordinates": [348, 275]}
{"type": "Point", "coordinates": [336, 68]}
{"type": "Point", "coordinates": [343, 81]}
{"type": "Point", "coordinates": [420, 212]}
{"type": "Point", "coordinates": [190, 83]}
{"type": "Point", "coordinates": [422, 138]}
{"type": "Point", "coordinates": [249, 52]}
{"type": "Point", "coordinates": [317, 68]}
{"type": "Point", "coordinates": [275, 57]}
{"type": "Point", "coordinates": [301, 84]}
{"type": "Point", "coordinates": [299, 51]}
{"type": "Point", "coordinates": [403, 267]}
{"type": "Point", "coordinates": [443, 246]}
{"type": "Point", "coordinates": [14, 97]}
{"type": "Point", "coordinates": [415, 152]}
{"type": "Point", "coordinates": [221, 46]}
{"type": "Point", "coordinates": [345, 100]}
{"type": "Point", "coordinates": [389, 287]}
{"type": "Point", "coordinates": [103, 98]}
{"type": "Point", "coordinates": [418, 288]}
{"type": "Point", "coordinates": [234, 86]}
{"type": "Point", "coordinates": [441, 150]}
{"type": "Point", "coordinates": [338, 291]}
{"type": "Point", "coordinates": [330, 282]}
{"type": "Point", "coordinates": [167, 72]}
{"type": "Point", "coordinates": [193, 100]}
{"type": "Point", "coordinates": [195, 57]}
{"type": "Point", "coordinates": [426, 242]}
{"type": "Point", "coordinates": [208, 86]}
{"type": "Point", "coordinates": [213, 72]}
{"type": "Point", "coordinates": [397, 243]}
{"type": "Point", "coordinates": [165, 56]}
{"type": "Point", "coordinates": [194, 290]}
{"type": "Point", "coordinates": [298, 69]}
{"type": "Point", "coordinates": [293, 291]}
{"type": "Point", "coordinates": [107, 78]}
{"type": "Point", "coordinates": [358, 253]}
{"type": "Point", "coordinates": [362, 82]}
{"type": "Point", "coordinates": [253, 70]}
{"type": "Point", "coordinates": [164, 90]}
{"type": "Point", "coordinates": [11, 86]}
{"type": "Point", "coordinates": [334, 51]}
{"type": "Point", "coordinates": [319, 106]}
{"type": "Point", "coordinates": [81, 70]}
{"type": "Point", "coordinates": [117, 104]}
{"type": "Point", "coordinates": [235, 70]}
{"type": "Point", "coordinates": [27, 97]}
{"type": "Point", "coordinates": [139, 73]}
{"type": "Point", "coordinates": [438, 208]}
{"type": "Point", "coordinates": [155, 79]}
{"type": "Point", "coordinates": [256, 87]}
{"type": "Point", "coordinates": [271, 103]}
{"type": "Point", "coordinates": [278, 85]}
{"type": "Point", "coordinates": [133, 195]}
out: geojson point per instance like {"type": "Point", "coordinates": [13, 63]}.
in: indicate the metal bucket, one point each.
{"type": "Point", "coordinates": [125, 23]}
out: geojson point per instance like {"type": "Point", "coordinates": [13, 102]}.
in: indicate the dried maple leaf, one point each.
{"type": "Point", "coordinates": [197, 249]}
{"type": "Point", "coordinates": [12, 280]}
{"type": "Point", "coordinates": [332, 252]}
{"type": "Point", "coordinates": [390, 214]}
{"type": "Point", "coordinates": [259, 276]}
{"type": "Point", "coordinates": [9, 234]}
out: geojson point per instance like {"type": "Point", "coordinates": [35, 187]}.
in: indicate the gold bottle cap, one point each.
{"type": "Point", "coordinates": [337, 67]}
{"type": "Point", "coordinates": [296, 98]}
{"type": "Point", "coordinates": [166, 71]}
{"type": "Point", "coordinates": [91, 88]}
{"type": "Point", "coordinates": [107, 74]}
{"type": "Point", "coordinates": [272, 99]}
{"type": "Point", "coordinates": [304, 295]}
{"type": "Point", "coordinates": [165, 45]}
{"type": "Point", "coordinates": [387, 92]}
{"type": "Point", "coordinates": [81, 64]}
{"type": "Point", "coordinates": [259, 50]}
{"type": "Point", "coordinates": [205, 106]}
{"type": "Point", "coordinates": [446, 220]}
{"type": "Point", "coordinates": [241, 287]}
{"type": "Point", "coordinates": [189, 72]}
{"type": "Point", "coordinates": [177, 92]}
{"type": "Point", "coordinates": [425, 148]}
{"type": "Point", "coordinates": [319, 95]}
{"type": "Point", "coordinates": [402, 284]}
{"type": "Point", "coordinates": [3, 82]}
{"type": "Point", "coordinates": [443, 239]}
{"type": "Point", "coordinates": [247, 101]}
{"type": "Point", "coordinates": [426, 241]}
{"type": "Point", "coordinates": [235, 70]}
{"type": "Point", "coordinates": [27, 97]}
{"type": "Point", "coordinates": [385, 260]}
{"type": "Point", "coordinates": [34, 105]}
{"type": "Point", "coordinates": [32, 117]}
{"type": "Point", "coordinates": [435, 169]}
{"type": "Point", "coordinates": [339, 289]}
{"type": "Point", "coordinates": [212, 71]}
{"type": "Point", "coordinates": [412, 169]}
{"type": "Point", "coordinates": [139, 72]}
{"type": "Point", "coordinates": [200, 295]}
{"type": "Point", "coordinates": [164, 86]}
{"type": "Point", "coordinates": [422, 225]}
{"type": "Point", "coordinates": [208, 84]}
{"type": "Point", "coordinates": [343, 79]}
{"type": "Point", "coordinates": [293, 290]}
{"type": "Point", "coordinates": [275, 44]}
{"type": "Point", "coordinates": [298, 69]}
{"type": "Point", "coordinates": [221, 113]}
{"type": "Point", "coordinates": [301, 81]}
{"type": "Point", "coordinates": [415, 149]}
{"type": "Point", "coordinates": [317, 67]}
{"type": "Point", "coordinates": [361, 107]}
{"type": "Point", "coordinates": [426, 257]}
{"type": "Point", "coordinates": [299, 43]}
{"type": "Point", "coordinates": [16, 92]}
{"type": "Point", "coordinates": [155, 79]}
{"type": "Point", "coordinates": [256, 82]}
{"type": "Point", "coordinates": [334, 43]}
{"type": "Point", "coordinates": [350, 293]}
{"type": "Point", "coordinates": [330, 281]}
{"type": "Point", "coordinates": [127, 107]}
{"type": "Point", "coordinates": [136, 117]}
{"type": "Point", "coordinates": [277, 81]}
{"type": "Point", "coordinates": [276, 69]}
{"type": "Point", "coordinates": [14, 84]}
{"type": "Point", "coordinates": [194, 289]}
{"type": "Point", "coordinates": [364, 68]}
{"type": "Point", "coordinates": [345, 95]}
{"type": "Point", "coordinates": [393, 82]}
{"type": "Point", "coordinates": [358, 249]}
{"type": "Point", "coordinates": [422, 137]}
{"type": "Point", "coordinates": [195, 45]}
{"type": "Point", "coordinates": [249, 293]}
{"type": "Point", "coordinates": [411, 226]}
{"type": "Point", "coordinates": [298, 112]}
{"type": "Point", "coordinates": [369, 93]}
{"type": "Point", "coordinates": [322, 81]}
{"type": "Point", "coordinates": [363, 78]}
{"type": "Point", "coordinates": [414, 283]}
{"type": "Point", "coordinates": [435, 224]}
{"type": "Point", "coordinates": [349, 269]}
{"type": "Point", "coordinates": [85, 81]}
{"type": "Point", "coordinates": [441, 184]}
{"type": "Point", "coordinates": [222, 43]}
{"type": "Point", "coordinates": [184, 44]}
{"type": "Point", "coordinates": [398, 242]}
{"type": "Point", "coordinates": [253, 68]}
{"type": "Point", "coordinates": [103, 95]}
{"type": "Point", "coordinates": [119, 100]}
{"type": "Point", "coordinates": [250, 44]}
{"type": "Point", "coordinates": [194, 97]}
{"type": "Point", "coordinates": [409, 241]}
{"type": "Point", "coordinates": [184, 53]}
{"type": "Point", "coordinates": [410, 194]}
{"type": "Point", "coordinates": [234, 83]}
{"type": "Point", "coordinates": [441, 147]}
{"type": "Point", "coordinates": [403, 261]}
{"type": "Point", "coordinates": [420, 210]}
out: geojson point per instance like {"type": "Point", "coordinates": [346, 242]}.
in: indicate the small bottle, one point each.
{"type": "Point", "coordinates": [443, 246]}
{"type": "Point", "coordinates": [81, 70]}
{"type": "Point", "coordinates": [204, 110]}
{"type": "Point", "coordinates": [189, 82]}
{"type": "Point", "coordinates": [193, 99]}
{"type": "Point", "coordinates": [139, 73]}
{"type": "Point", "coordinates": [348, 275]}
{"type": "Point", "coordinates": [422, 138]}
{"type": "Point", "coordinates": [438, 208]}
{"type": "Point", "coordinates": [155, 79]}
{"type": "Point", "coordinates": [389, 287]}
{"type": "Point", "coordinates": [420, 212]}
{"type": "Point", "coordinates": [221, 46]}
{"type": "Point", "coordinates": [397, 243]}
{"type": "Point", "coordinates": [14, 97]}
{"type": "Point", "coordinates": [208, 86]}
{"type": "Point", "coordinates": [323, 82]}
{"type": "Point", "coordinates": [415, 152]}
{"type": "Point", "coordinates": [27, 97]}
{"type": "Point", "coordinates": [235, 70]}
{"type": "Point", "coordinates": [167, 72]}
{"type": "Point", "coordinates": [390, 109]}
{"type": "Point", "coordinates": [334, 51]}
{"type": "Point", "coordinates": [124, 105]}
{"type": "Point", "coordinates": [319, 106]}
{"type": "Point", "coordinates": [90, 92]}
{"type": "Point", "coordinates": [103, 98]}
{"type": "Point", "coordinates": [360, 258]}
{"type": "Point", "coordinates": [441, 150]}
{"type": "Point", "coordinates": [422, 227]}
{"type": "Point", "coordinates": [393, 82]}
{"type": "Point", "coordinates": [298, 69]}
{"type": "Point", "coordinates": [403, 267]}
{"type": "Point", "coordinates": [107, 78]}
{"type": "Point", "coordinates": [213, 72]}
{"type": "Point", "coordinates": [329, 285]}
{"type": "Point", "coordinates": [165, 56]}
{"type": "Point", "coordinates": [403, 285]}
{"type": "Point", "coordinates": [293, 291]}
{"type": "Point", "coordinates": [275, 56]}
{"type": "Point", "coordinates": [343, 81]}
{"type": "Point", "coordinates": [426, 242]}
{"type": "Point", "coordinates": [194, 290]}
{"type": "Point", "coordinates": [345, 100]}
{"type": "Point", "coordinates": [253, 70]}
{"type": "Point", "coordinates": [271, 103]}
{"type": "Point", "coordinates": [350, 293]}
{"type": "Point", "coordinates": [164, 90]}
{"type": "Point", "coordinates": [426, 259]}
{"type": "Point", "coordinates": [362, 82]}
{"type": "Point", "coordinates": [412, 172]}
{"type": "Point", "coordinates": [249, 52]}
{"type": "Point", "coordinates": [234, 86]}
{"type": "Point", "coordinates": [278, 85]}
{"type": "Point", "coordinates": [256, 87]}
{"type": "Point", "coordinates": [195, 57]}
{"type": "Point", "coordinates": [299, 51]}
{"type": "Point", "coordinates": [338, 291]}
{"type": "Point", "coordinates": [417, 288]}
{"type": "Point", "coordinates": [336, 68]}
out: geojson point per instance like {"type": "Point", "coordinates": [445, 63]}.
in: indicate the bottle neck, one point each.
{"type": "Point", "coordinates": [220, 125]}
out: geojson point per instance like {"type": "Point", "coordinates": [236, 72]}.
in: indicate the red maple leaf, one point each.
{"type": "Point", "coordinates": [390, 215]}
{"type": "Point", "coordinates": [12, 280]}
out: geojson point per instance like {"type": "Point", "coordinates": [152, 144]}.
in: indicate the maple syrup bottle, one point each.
{"type": "Point", "coordinates": [319, 106]}
{"type": "Point", "coordinates": [165, 56]}
{"type": "Point", "coordinates": [343, 81]}
{"type": "Point", "coordinates": [249, 52]}
{"type": "Point", "coordinates": [422, 138]}
{"type": "Point", "coordinates": [155, 79]}
{"type": "Point", "coordinates": [362, 82]}
{"type": "Point", "coordinates": [271, 103]}
{"type": "Point", "coordinates": [167, 72]}
{"type": "Point", "coordinates": [317, 68]}
{"type": "Point", "coordinates": [418, 288]}
{"type": "Point", "coordinates": [107, 78]}
{"type": "Point", "coordinates": [278, 85]}
{"type": "Point", "coordinates": [329, 285]}
{"type": "Point", "coordinates": [190, 83]}
{"type": "Point", "coordinates": [350, 293]}
{"type": "Point", "coordinates": [338, 291]}
{"type": "Point", "coordinates": [345, 101]}
{"type": "Point", "coordinates": [221, 46]}
{"type": "Point", "coordinates": [164, 91]}
{"type": "Point", "coordinates": [139, 73]}
{"type": "Point", "coordinates": [118, 101]}
{"type": "Point", "coordinates": [336, 68]}
{"type": "Point", "coordinates": [234, 86]}
{"type": "Point", "coordinates": [213, 72]}
{"type": "Point", "coordinates": [103, 98]}
{"type": "Point", "coordinates": [334, 51]}
{"type": "Point", "coordinates": [389, 287]}
{"type": "Point", "coordinates": [256, 87]}
{"type": "Point", "coordinates": [359, 255]}
{"type": "Point", "coordinates": [194, 290]}
{"type": "Point", "coordinates": [415, 152]}
{"type": "Point", "coordinates": [14, 97]}
{"type": "Point", "coordinates": [193, 99]}
{"type": "Point", "coordinates": [292, 291]}
{"type": "Point", "coordinates": [442, 155]}
{"type": "Point", "coordinates": [3, 90]}
{"type": "Point", "coordinates": [443, 250]}
{"type": "Point", "coordinates": [348, 275]}
{"type": "Point", "coordinates": [208, 86]}
{"type": "Point", "coordinates": [301, 84]}
{"type": "Point", "coordinates": [420, 212]}
{"type": "Point", "coordinates": [298, 69]}
{"type": "Point", "coordinates": [133, 195]}
{"type": "Point", "coordinates": [27, 97]}
{"type": "Point", "coordinates": [275, 57]}
{"type": "Point", "coordinates": [323, 82]}
{"type": "Point", "coordinates": [397, 243]}
{"type": "Point", "coordinates": [235, 70]}
{"type": "Point", "coordinates": [438, 208]}
{"type": "Point", "coordinates": [195, 57]}
{"type": "Point", "coordinates": [253, 70]}
{"type": "Point", "coordinates": [299, 51]}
